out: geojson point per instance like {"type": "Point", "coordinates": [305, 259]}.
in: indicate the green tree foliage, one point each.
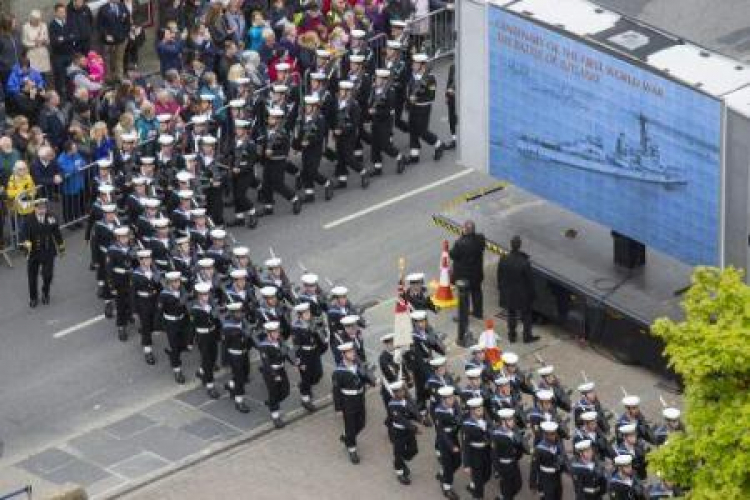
{"type": "Point", "coordinates": [710, 349]}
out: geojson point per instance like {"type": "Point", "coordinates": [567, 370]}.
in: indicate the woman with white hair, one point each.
{"type": "Point", "coordinates": [255, 70]}
{"type": "Point", "coordinates": [35, 37]}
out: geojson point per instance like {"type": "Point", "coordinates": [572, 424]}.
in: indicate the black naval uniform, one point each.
{"type": "Point", "coordinates": [146, 283]}
{"type": "Point", "coordinates": [622, 487]}
{"type": "Point", "coordinates": [206, 325]}
{"type": "Point", "coordinates": [174, 316]}
{"type": "Point", "coordinates": [421, 91]}
{"type": "Point", "coordinates": [213, 189]}
{"type": "Point", "coordinates": [389, 370]}
{"type": "Point", "coordinates": [276, 144]}
{"type": "Point", "coordinates": [346, 129]}
{"type": "Point", "coordinates": [310, 344]}
{"type": "Point", "coordinates": [447, 427]}
{"type": "Point", "coordinates": [119, 267]}
{"type": "Point", "coordinates": [313, 132]}
{"type": "Point", "coordinates": [403, 434]}
{"type": "Point", "coordinates": [242, 159]}
{"type": "Point", "coordinates": [273, 356]}
{"type": "Point", "coordinates": [547, 466]}
{"type": "Point", "coordinates": [508, 446]}
{"type": "Point", "coordinates": [349, 399]}
{"type": "Point", "coordinates": [381, 102]}
{"type": "Point", "coordinates": [237, 343]}
{"type": "Point", "coordinates": [101, 239]}
{"type": "Point", "coordinates": [450, 100]}
{"type": "Point", "coordinates": [400, 72]}
{"type": "Point", "coordinates": [418, 361]}
{"type": "Point", "coordinates": [43, 242]}
{"type": "Point", "coordinates": [477, 454]}
{"type": "Point", "coordinates": [589, 479]}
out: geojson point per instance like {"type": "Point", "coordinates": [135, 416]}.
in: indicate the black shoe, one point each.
{"type": "Point", "coordinates": [92, 267]}
{"type": "Point", "coordinates": [33, 303]}
{"type": "Point", "coordinates": [150, 358]}
{"type": "Point", "coordinates": [122, 334]}
{"type": "Point", "coordinates": [179, 377]}
{"type": "Point", "coordinates": [228, 388]}
{"type": "Point", "coordinates": [365, 178]}
{"type": "Point", "coordinates": [296, 205]}
{"type": "Point", "coordinates": [307, 405]}
{"type": "Point", "coordinates": [278, 423]}
{"type": "Point", "coordinates": [401, 164]}
{"type": "Point", "coordinates": [377, 172]}
{"type": "Point", "coordinates": [251, 221]}
{"type": "Point", "coordinates": [531, 338]}
{"type": "Point", "coordinates": [213, 393]}
{"type": "Point", "coordinates": [99, 292]}
{"type": "Point", "coordinates": [404, 479]}
{"type": "Point", "coordinates": [439, 152]}
{"type": "Point", "coordinates": [308, 198]}
{"type": "Point", "coordinates": [45, 299]}
{"type": "Point", "coordinates": [297, 182]}
{"type": "Point", "coordinates": [340, 185]}
{"type": "Point", "coordinates": [354, 457]}
{"type": "Point", "coordinates": [413, 160]}
{"type": "Point", "coordinates": [268, 211]}
{"type": "Point", "coordinates": [328, 190]}
{"type": "Point", "coordinates": [512, 338]}
{"type": "Point", "coordinates": [235, 223]}
{"type": "Point", "coordinates": [109, 309]}
{"type": "Point", "coordinates": [450, 494]}
{"type": "Point", "coordinates": [451, 145]}
{"type": "Point", "coordinates": [241, 407]}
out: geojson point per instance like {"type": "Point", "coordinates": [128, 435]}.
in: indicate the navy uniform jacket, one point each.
{"type": "Point", "coordinates": [349, 387]}
{"type": "Point", "coordinates": [589, 479]}
{"type": "Point", "coordinates": [45, 238]}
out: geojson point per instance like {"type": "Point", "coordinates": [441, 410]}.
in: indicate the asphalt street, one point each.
{"type": "Point", "coordinates": [63, 369]}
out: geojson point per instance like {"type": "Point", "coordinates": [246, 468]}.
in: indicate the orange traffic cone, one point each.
{"type": "Point", "coordinates": [444, 296]}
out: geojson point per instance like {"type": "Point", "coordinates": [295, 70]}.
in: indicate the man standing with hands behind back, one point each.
{"type": "Point", "coordinates": [468, 264]}
{"type": "Point", "coordinates": [516, 285]}
{"type": "Point", "coordinates": [114, 27]}
{"type": "Point", "coordinates": [43, 242]}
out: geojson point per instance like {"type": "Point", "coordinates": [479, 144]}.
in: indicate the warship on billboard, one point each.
{"type": "Point", "coordinates": [639, 163]}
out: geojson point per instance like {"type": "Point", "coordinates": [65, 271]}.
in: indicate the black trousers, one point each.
{"type": "Point", "coordinates": [399, 104]}
{"type": "Point", "coordinates": [277, 385]}
{"type": "Point", "coordinates": [345, 158]}
{"type": "Point", "coordinates": [208, 346]}
{"type": "Point", "coordinates": [452, 115]}
{"type": "Point", "coordinates": [550, 486]}
{"type": "Point", "coordinates": [404, 448]}
{"type": "Point", "coordinates": [311, 175]}
{"type": "Point", "coordinates": [122, 306]}
{"type": "Point", "coordinates": [47, 266]}
{"type": "Point", "coordinates": [240, 184]}
{"type": "Point", "coordinates": [354, 423]}
{"type": "Point", "coordinates": [215, 204]}
{"type": "Point", "coordinates": [477, 299]}
{"type": "Point", "coordinates": [450, 461]}
{"type": "Point", "coordinates": [59, 67]}
{"type": "Point", "coordinates": [526, 321]}
{"type": "Point", "coordinates": [273, 182]}
{"type": "Point", "coordinates": [311, 374]}
{"type": "Point", "coordinates": [146, 311]}
{"type": "Point", "coordinates": [421, 390]}
{"type": "Point", "coordinates": [240, 366]}
{"type": "Point", "coordinates": [510, 480]}
{"type": "Point", "coordinates": [381, 141]}
{"type": "Point", "coordinates": [481, 472]}
{"type": "Point", "coordinates": [419, 127]}
{"type": "Point", "coordinates": [177, 338]}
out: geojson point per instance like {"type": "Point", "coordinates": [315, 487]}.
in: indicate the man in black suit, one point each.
{"type": "Point", "coordinates": [62, 41]}
{"type": "Point", "coordinates": [468, 264]}
{"type": "Point", "coordinates": [516, 285]}
{"type": "Point", "coordinates": [113, 21]}
{"type": "Point", "coordinates": [43, 242]}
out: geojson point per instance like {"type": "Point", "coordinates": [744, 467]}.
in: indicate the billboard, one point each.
{"type": "Point", "coordinates": [615, 143]}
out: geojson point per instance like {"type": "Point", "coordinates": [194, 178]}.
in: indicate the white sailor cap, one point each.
{"type": "Point", "coordinates": [208, 139]}
{"type": "Point", "coordinates": [414, 277]}
{"type": "Point", "coordinates": [106, 188]}
{"type": "Point", "coordinates": [198, 212]}
{"type": "Point", "coordinates": [273, 262]}
{"type": "Point", "coordinates": [349, 320]}
{"type": "Point", "coordinates": [144, 253]}
{"type": "Point", "coordinates": [166, 140]}
{"type": "Point", "coordinates": [358, 33]}
{"type": "Point", "coordinates": [207, 97]}
{"type": "Point", "coordinates": [583, 445]}
{"type": "Point", "coordinates": [185, 194]}
{"type": "Point", "coordinates": [446, 390]}
{"type": "Point", "coordinates": [388, 337]}
{"type": "Point", "coordinates": [173, 275]}
{"type": "Point", "coordinates": [218, 234]}
{"type": "Point", "coordinates": [439, 361]}
{"type": "Point", "coordinates": [418, 315]}
{"type": "Point", "coordinates": [309, 279]}
{"type": "Point", "coordinates": [475, 402]}
{"type": "Point", "coordinates": [243, 80]}
{"type": "Point", "coordinates": [588, 416]}
{"type": "Point", "coordinates": [339, 291]}
{"type": "Point", "coordinates": [236, 103]}
{"type": "Point", "coordinates": [346, 85]}
{"type": "Point", "coordinates": [544, 395]}
{"type": "Point", "coordinates": [129, 137]}
{"type": "Point", "coordinates": [202, 287]}
{"type": "Point", "coordinates": [234, 306]}
{"type": "Point", "coordinates": [396, 386]}
{"type": "Point", "coordinates": [546, 370]}
{"type": "Point", "coordinates": [631, 401]}
{"type": "Point", "coordinates": [398, 23]}
{"type": "Point", "coordinates": [271, 326]}
{"type": "Point", "coordinates": [383, 73]}
{"type": "Point", "coordinates": [139, 181]}
{"type": "Point", "coordinates": [184, 176]}
{"type": "Point", "coordinates": [311, 100]}
{"type": "Point", "coordinates": [671, 413]}
{"type": "Point", "coordinates": [302, 307]}
{"type": "Point", "coordinates": [276, 113]}
{"type": "Point", "coordinates": [160, 223]}
{"type": "Point", "coordinates": [282, 67]}
{"type": "Point", "coordinates": [357, 59]}
{"type": "Point", "coordinates": [104, 163]}
{"type": "Point", "coordinates": [318, 76]}
{"type": "Point", "coordinates": [420, 58]}
{"type": "Point", "coordinates": [623, 460]}
{"type": "Point", "coordinates": [268, 291]}
{"type": "Point", "coordinates": [510, 358]}
{"type": "Point", "coordinates": [500, 380]}
{"type": "Point", "coordinates": [109, 208]}
{"type": "Point", "coordinates": [549, 426]}
{"type": "Point", "coordinates": [190, 157]}
{"type": "Point", "coordinates": [121, 231]}
{"type": "Point", "coordinates": [182, 240]}
{"type": "Point", "coordinates": [474, 372]}
{"type": "Point", "coordinates": [163, 117]}
{"type": "Point", "coordinates": [151, 203]}
{"type": "Point", "coordinates": [240, 123]}
{"type": "Point", "coordinates": [394, 44]}
{"type": "Point", "coordinates": [627, 429]}
{"type": "Point", "coordinates": [206, 262]}
{"type": "Point", "coordinates": [199, 119]}
{"type": "Point", "coordinates": [346, 346]}
{"type": "Point", "coordinates": [238, 274]}
{"type": "Point", "coordinates": [280, 88]}
{"type": "Point", "coordinates": [240, 251]}
{"type": "Point", "coordinates": [586, 387]}
{"type": "Point", "coordinates": [476, 348]}
{"type": "Point", "coordinates": [506, 413]}
{"type": "Point", "coordinates": [322, 53]}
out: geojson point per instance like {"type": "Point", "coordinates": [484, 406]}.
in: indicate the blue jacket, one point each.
{"type": "Point", "coordinates": [254, 38]}
{"type": "Point", "coordinates": [102, 150]}
{"type": "Point", "coordinates": [70, 166]}
{"type": "Point", "coordinates": [147, 129]}
{"type": "Point", "coordinates": [170, 55]}
{"type": "Point", "coordinates": [19, 75]}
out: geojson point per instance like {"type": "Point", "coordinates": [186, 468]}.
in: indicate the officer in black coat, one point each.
{"type": "Point", "coordinates": [516, 285]}
{"type": "Point", "coordinates": [43, 242]}
{"type": "Point", "coordinates": [113, 23]}
{"type": "Point", "coordinates": [468, 264]}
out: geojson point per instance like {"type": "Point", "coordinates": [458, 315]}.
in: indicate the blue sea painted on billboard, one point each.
{"type": "Point", "coordinates": [612, 142]}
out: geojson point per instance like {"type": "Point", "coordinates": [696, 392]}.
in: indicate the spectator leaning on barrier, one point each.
{"type": "Point", "coordinates": [71, 166]}
{"type": "Point", "coordinates": [46, 173]}
{"type": "Point", "coordinates": [21, 189]}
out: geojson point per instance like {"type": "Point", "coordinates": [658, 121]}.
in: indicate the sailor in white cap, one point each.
{"type": "Point", "coordinates": [198, 127]}
{"type": "Point", "coordinates": [239, 291]}
{"type": "Point", "coordinates": [633, 415]}
{"type": "Point", "coordinates": [477, 447]}
{"type": "Point", "coordinates": [352, 333]}
{"type": "Point", "coordinates": [134, 206]}
{"type": "Point", "coordinates": [624, 482]}
{"type": "Point", "coordinates": [548, 462]}
{"type": "Point", "coordinates": [544, 410]}
{"type": "Point", "coordinates": [180, 214]}
{"type": "Point", "coordinates": [119, 266]}
{"type": "Point", "coordinates": [402, 430]}
{"type": "Point", "coordinates": [274, 275]}
{"type": "Point", "coordinates": [477, 359]}
{"type": "Point", "coordinates": [284, 77]}
{"type": "Point", "coordinates": [200, 233]}
{"type": "Point", "coordinates": [381, 102]}
{"type": "Point", "coordinates": [219, 251]}
{"type": "Point", "coordinates": [474, 387]}
{"type": "Point", "coordinates": [589, 476]}
{"type": "Point", "coordinates": [310, 342]}
{"type": "Point", "coordinates": [241, 260]}
{"type": "Point", "coordinates": [272, 309]}
{"type": "Point", "coordinates": [204, 318]}
{"type": "Point", "coordinates": [509, 446]}
{"type": "Point", "coordinates": [161, 244]}
{"type": "Point", "coordinates": [184, 258]}
{"type": "Point", "coordinates": [438, 378]}
{"type": "Point", "coordinates": [213, 174]}
{"type": "Point", "coordinates": [275, 143]}
{"type": "Point", "coordinates": [362, 81]}
{"type": "Point", "coordinates": [166, 161]}
{"type": "Point", "coordinates": [311, 292]}
{"type": "Point", "coordinates": [349, 380]}
{"type": "Point", "coordinates": [421, 94]}
{"type": "Point", "coordinates": [391, 366]}
{"type": "Point", "coordinates": [416, 292]}
{"type": "Point", "coordinates": [101, 237]}
{"type": "Point", "coordinates": [312, 136]}
{"type": "Point", "coordinates": [548, 380]}
{"type": "Point", "coordinates": [424, 343]}
{"type": "Point", "coordinates": [125, 158]}
{"type": "Point", "coordinates": [174, 316]}
{"type": "Point", "coordinates": [339, 307]}
{"type": "Point", "coordinates": [242, 158]}
{"type": "Point", "coordinates": [520, 382]}
{"type": "Point", "coordinates": [589, 401]}
{"type": "Point", "coordinates": [672, 424]}
{"type": "Point", "coordinates": [358, 47]}
{"type": "Point", "coordinates": [346, 131]}
{"type": "Point", "coordinates": [395, 63]}
{"type": "Point", "coordinates": [504, 398]}
{"type": "Point", "coordinates": [237, 343]}
{"type": "Point", "coordinates": [629, 443]}
{"type": "Point", "coordinates": [589, 430]}
{"type": "Point", "coordinates": [146, 284]}
{"type": "Point", "coordinates": [448, 419]}
{"type": "Point", "coordinates": [274, 354]}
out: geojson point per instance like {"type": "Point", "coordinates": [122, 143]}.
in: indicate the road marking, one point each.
{"type": "Point", "coordinates": [79, 326]}
{"type": "Point", "coordinates": [398, 198]}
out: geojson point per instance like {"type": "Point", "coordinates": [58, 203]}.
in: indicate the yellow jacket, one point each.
{"type": "Point", "coordinates": [21, 185]}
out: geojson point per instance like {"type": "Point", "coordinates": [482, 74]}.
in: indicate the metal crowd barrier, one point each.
{"type": "Point", "coordinates": [435, 32]}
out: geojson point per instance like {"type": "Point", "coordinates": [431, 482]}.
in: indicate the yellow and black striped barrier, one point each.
{"type": "Point", "coordinates": [455, 228]}
{"type": "Point", "coordinates": [473, 195]}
